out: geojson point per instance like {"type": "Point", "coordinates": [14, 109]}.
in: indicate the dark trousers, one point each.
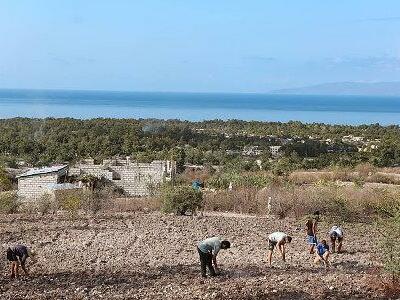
{"type": "Point", "coordinates": [206, 262]}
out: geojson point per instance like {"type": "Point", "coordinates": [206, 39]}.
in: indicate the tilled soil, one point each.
{"type": "Point", "coordinates": [153, 256]}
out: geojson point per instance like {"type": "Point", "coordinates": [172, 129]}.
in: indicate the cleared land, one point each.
{"type": "Point", "coordinates": [153, 256]}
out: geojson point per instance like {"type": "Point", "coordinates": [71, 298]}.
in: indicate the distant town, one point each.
{"type": "Point", "coordinates": [139, 156]}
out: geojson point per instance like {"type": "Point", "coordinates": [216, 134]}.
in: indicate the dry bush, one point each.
{"type": "Point", "coordinates": [308, 177]}
{"type": "Point", "coordinates": [44, 205]}
{"type": "Point", "coordinates": [5, 181]}
{"type": "Point", "coordinates": [362, 173]}
{"type": "Point", "coordinates": [305, 177]}
{"type": "Point", "coordinates": [70, 201]}
{"type": "Point", "coordinates": [393, 170]}
{"type": "Point", "coordinates": [380, 177]}
{"type": "Point", "coordinates": [366, 169]}
{"type": "Point", "coordinates": [242, 180]}
{"type": "Point", "coordinates": [242, 200]}
{"type": "Point", "coordinates": [133, 204]}
{"type": "Point", "coordinates": [347, 203]}
{"type": "Point", "coordinates": [8, 202]}
{"type": "Point", "coordinates": [390, 236]}
{"type": "Point", "coordinates": [189, 175]}
{"type": "Point", "coordinates": [73, 201]}
{"type": "Point", "coordinates": [340, 174]}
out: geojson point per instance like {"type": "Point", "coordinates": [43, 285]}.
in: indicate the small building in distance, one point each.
{"type": "Point", "coordinates": [274, 150]}
{"type": "Point", "coordinates": [34, 183]}
{"type": "Point", "coordinates": [134, 178]}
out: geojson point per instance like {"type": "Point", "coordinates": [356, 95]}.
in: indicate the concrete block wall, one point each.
{"type": "Point", "coordinates": [136, 181]}
{"type": "Point", "coordinates": [134, 178]}
{"type": "Point", "coordinates": [33, 187]}
{"type": "Point", "coordinates": [95, 170]}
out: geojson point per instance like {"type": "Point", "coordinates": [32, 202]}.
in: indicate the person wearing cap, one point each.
{"type": "Point", "coordinates": [208, 250]}
{"type": "Point", "coordinates": [17, 255]}
{"type": "Point", "coordinates": [336, 233]}
{"type": "Point", "coordinates": [279, 239]}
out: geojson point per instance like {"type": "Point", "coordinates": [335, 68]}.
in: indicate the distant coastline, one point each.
{"type": "Point", "coordinates": [328, 109]}
{"type": "Point", "coordinates": [371, 89]}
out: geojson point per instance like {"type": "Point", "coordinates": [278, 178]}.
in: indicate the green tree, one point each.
{"type": "Point", "coordinates": [181, 199]}
{"type": "Point", "coordinates": [5, 182]}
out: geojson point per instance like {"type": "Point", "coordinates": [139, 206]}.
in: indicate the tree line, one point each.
{"type": "Point", "coordinates": [46, 141]}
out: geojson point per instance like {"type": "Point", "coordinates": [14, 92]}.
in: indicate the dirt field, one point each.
{"type": "Point", "coordinates": [153, 256]}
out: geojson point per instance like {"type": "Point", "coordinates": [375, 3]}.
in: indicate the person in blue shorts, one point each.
{"type": "Point", "coordinates": [322, 254]}
{"type": "Point", "coordinates": [311, 229]}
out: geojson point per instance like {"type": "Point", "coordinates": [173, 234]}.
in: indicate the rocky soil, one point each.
{"type": "Point", "coordinates": [153, 256]}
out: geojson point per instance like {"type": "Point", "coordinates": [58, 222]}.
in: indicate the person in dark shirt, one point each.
{"type": "Point", "coordinates": [311, 228]}
{"type": "Point", "coordinates": [17, 255]}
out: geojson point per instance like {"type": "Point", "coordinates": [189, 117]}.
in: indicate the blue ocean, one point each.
{"type": "Point", "coordinates": [200, 106]}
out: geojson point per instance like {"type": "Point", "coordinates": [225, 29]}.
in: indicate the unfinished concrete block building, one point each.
{"type": "Point", "coordinates": [135, 179]}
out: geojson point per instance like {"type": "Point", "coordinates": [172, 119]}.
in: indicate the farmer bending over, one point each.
{"type": "Point", "coordinates": [277, 239]}
{"type": "Point", "coordinates": [208, 250]}
{"type": "Point", "coordinates": [336, 233]}
{"type": "Point", "coordinates": [322, 253]}
{"type": "Point", "coordinates": [17, 255]}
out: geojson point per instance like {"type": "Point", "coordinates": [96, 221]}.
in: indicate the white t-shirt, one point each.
{"type": "Point", "coordinates": [277, 236]}
{"type": "Point", "coordinates": [210, 245]}
{"type": "Point", "coordinates": [338, 231]}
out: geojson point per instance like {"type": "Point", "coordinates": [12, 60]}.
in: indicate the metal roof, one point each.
{"type": "Point", "coordinates": [40, 171]}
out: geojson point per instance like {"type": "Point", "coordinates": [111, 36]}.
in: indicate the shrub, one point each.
{"type": "Point", "coordinates": [390, 232]}
{"type": "Point", "coordinates": [365, 169]}
{"type": "Point", "coordinates": [8, 202]}
{"type": "Point", "coordinates": [5, 182]}
{"type": "Point", "coordinates": [180, 200]}
{"type": "Point", "coordinates": [250, 180]}
{"type": "Point", "coordinates": [46, 204]}
{"type": "Point", "coordinates": [387, 204]}
{"type": "Point", "coordinates": [96, 200]}
{"type": "Point", "coordinates": [384, 178]}
{"type": "Point", "coordinates": [242, 200]}
{"type": "Point", "coordinates": [70, 201]}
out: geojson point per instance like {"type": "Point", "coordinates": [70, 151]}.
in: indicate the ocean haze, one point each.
{"type": "Point", "coordinates": [200, 106]}
{"type": "Point", "coordinates": [346, 88]}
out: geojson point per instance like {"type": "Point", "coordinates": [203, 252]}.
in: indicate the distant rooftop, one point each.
{"type": "Point", "coordinates": [39, 171]}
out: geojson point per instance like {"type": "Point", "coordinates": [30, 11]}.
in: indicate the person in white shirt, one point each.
{"type": "Point", "coordinates": [336, 233]}
{"type": "Point", "coordinates": [277, 239]}
{"type": "Point", "coordinates": [208, 250]}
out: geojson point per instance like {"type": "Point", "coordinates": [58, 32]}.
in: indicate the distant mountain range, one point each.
{"type": "Point", "coordinates": [346, 88]}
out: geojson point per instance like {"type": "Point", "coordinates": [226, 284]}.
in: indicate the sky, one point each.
{"type": "Point", "coordinates": [197, 46]}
